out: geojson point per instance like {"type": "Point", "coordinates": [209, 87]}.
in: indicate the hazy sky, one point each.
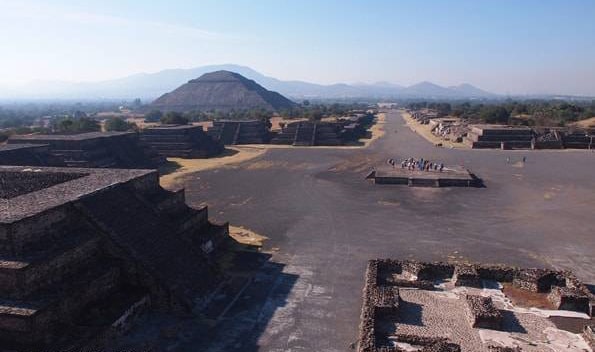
{"type": "Point", "coordinates": [505, 46]}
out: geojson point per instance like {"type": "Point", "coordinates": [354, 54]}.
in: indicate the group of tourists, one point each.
{"type": "Point", "coordinates": [413, 164]}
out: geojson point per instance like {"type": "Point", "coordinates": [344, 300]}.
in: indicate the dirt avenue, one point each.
{"type": "Point", "coordinates": [324, 222]}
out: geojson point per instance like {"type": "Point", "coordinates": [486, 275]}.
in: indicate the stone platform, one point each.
{"type": "Point", "coordinates": [91, 150]}
{"type": "Point", "coordinates": [420, 306]}
{"type": "Point", "coordinates": [181, 141]}
{"type": "Point", "coordinates": [24, 154]}
{"type": "Point", "coordinates": [449, 177]}
{"type": "Point", "coordinates": [74, 239]}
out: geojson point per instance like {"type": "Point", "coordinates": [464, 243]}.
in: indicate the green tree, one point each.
{"type": "Point", "coordinates": [174, 118]}
{"type": "Point", "coordinates": [117, 124]}
{"type": "Point", "coordinates": [76, 125]}
{"type": "Point", "coordinates": [494, 114]}
{"type": "Point", "coordinates": [153, 116]}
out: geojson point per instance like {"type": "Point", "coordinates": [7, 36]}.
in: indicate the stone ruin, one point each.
{"type": "Point", "coordinates": [385, 279]}
{"type": "Point", "coordinates": [26, 154]}
{"type": "Point", "coordinates": [589, 334]}
{"type": "Point", "coordinates": [94, 149]}
{"type": "Point", "coordinates": [548, 138]}
{"type": "Point", "coordinates": [504, 349]}
{"type": "Point", "coordinates": [306, 133]}
{"type": "Point", "coordinates": [467, 275]}
{"type": "Point", "coordinates": [499, 136]}
{"type": "Point", "coordinates": [382, 300]}
{"type": "Point", "coordinates": [523, 137]}
{"type": "Point", "coordinates": [449, 177]}
{"type": "Point", "coordinates": [538, 280]}
{"type": "Point", "coordinates": [309, 133]}
{"type": "Point", "coordinates": [74, 239]}
{"type": "Point", "coordinates": [230, 132]}
{"type": "Point", "coordinates": [482, 313]}
{"type": "Point", "coordinates": [579, 139]}
{"type": "Point", "coordinates": [181, 141]}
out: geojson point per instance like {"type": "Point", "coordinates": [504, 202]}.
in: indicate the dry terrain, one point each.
{"type": "Point", "coordinates": [425, 132]}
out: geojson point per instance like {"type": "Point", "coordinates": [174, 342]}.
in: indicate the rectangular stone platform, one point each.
{"type": "Point", "coordinates": [451, 177]}
{"type": "Point", "coordinates": [24, 154]}
{"type": "Point", "coordinates": [93, 149]}
{"type": "Point", "coordinates": [232, 132]}
{"type": "Point", "coordinates": [399, 315]}
{"type": "Point", "coordinates": [181, 141]}
{"type": "Point", "coordinates": [74, 239]}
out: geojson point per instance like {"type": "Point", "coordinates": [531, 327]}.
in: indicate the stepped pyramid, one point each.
{"type": "Point", "coordinates": [221, 90]}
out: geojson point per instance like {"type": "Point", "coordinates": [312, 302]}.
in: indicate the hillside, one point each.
{"type": "Point", "coordinates": [148, 86]}
{"type": "Point", "coordinates": [221, 90]}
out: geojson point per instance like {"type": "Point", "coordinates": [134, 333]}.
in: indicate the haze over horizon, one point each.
{"type": "Point", "coordinates": [504, 47]}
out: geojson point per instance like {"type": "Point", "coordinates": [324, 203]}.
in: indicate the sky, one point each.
{"type": "Point", "coordinates": [503, 46]}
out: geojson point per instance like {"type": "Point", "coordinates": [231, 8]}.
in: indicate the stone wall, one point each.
{"type": "Point", "coordinates": [565, 298]}
{"type": "Point", "coordinates": [25, 154]}
{"type": "Point", "coordinates": [14, 184]}
{"type": "Point", "coordinates": [58, 263]}
{"type": "Point", "coordinates": [467, 275]}
{"type": "Point", "coordinates": [239, 132]}
{"type": "Point", "coordinates": [538, 280]}
{"type": "Point", "coordinates": [184, 141]}
{"type": "Point", "coordinates": [95, 149]}
{"type": "Point", "coordinates": [384, 277]}
{"type": "Point", "coordinates": [482, 313]}
{"type": "Point", "coordinates": [589, 334]}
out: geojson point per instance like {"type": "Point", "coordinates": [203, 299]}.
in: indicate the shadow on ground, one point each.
{"type": "Point", "coordinates": [510, 323]}
{"type": "Point", "coordinates": [257, 290]}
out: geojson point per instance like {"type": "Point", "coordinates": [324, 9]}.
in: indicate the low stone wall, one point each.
{"type": "Point", "coordinates": [538, 280]}
{"type": "Point", "coordinates": [482, 313]}
{"type": "Point", "coordinates": [442, 347]}
{"type": "Point", "coordinates": [429, 271]}
{"type": "Point", "coordinates": [466, 275]}
{"type": "Point", "coordinates": [381, 298]}
{"type": "Point", "coordinates": [504, 349]}
{"type": "Point", "coordinates": [589, 334]}
{"type": "Point", "coordinates": [565, 298]}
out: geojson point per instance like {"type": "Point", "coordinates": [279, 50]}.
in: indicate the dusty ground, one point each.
{"type": "Point", "coordinates": [425, 132]}
{"type": "Point", "coordinates": [585, 123]}
{"type": "Point", "coordinates": [177, 168]}
{"type": "Point", "coordinates": [246, 236]}
{"type": "Point", "coordinates": [277, 120]}
{"type": "Point", "coordinates": [324, 221]}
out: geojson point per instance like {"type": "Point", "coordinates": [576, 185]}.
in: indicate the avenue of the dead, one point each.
{"type": "Point", "coordinates": [324, 222]}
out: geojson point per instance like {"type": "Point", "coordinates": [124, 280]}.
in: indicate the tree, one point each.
{"type": "Point", "coordinates": [443, 109]}
{"type": "Point", "coordinates": [153, 116]}
{"type": "Point", "coordinates": [116, 124]}
{"type": "Point", "coordinates": [76, 125]}
{"type": "Point", "coordinates": [174, 118]}
{"type": "Point", "coordinates": [494, 114]}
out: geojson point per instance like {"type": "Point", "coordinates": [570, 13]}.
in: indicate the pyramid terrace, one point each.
{"type": "Point", "coordinates": [72, 239]}
{"type": "Point", "coordinates": [94, 149]}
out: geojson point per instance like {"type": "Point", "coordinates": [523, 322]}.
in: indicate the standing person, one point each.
{"type": "Point", "coordinates": [524, 159]}
{"type": "Point", "coordinates": [508, 160]}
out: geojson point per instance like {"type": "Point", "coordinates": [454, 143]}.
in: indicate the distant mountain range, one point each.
{"type": "Point", "coordinates": [149, 86]}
